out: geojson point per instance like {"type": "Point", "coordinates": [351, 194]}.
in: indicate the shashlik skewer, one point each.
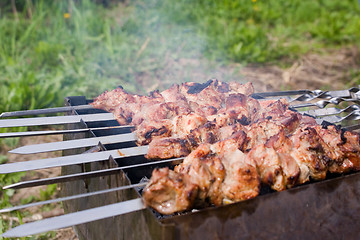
{"type": "Point", "coordinates": [281, 161]}
{"type": "Point", "coordinates": [75, 218]}
{"type": "Point", "coordinates": [273, 167]}
{"type": "Point", "coordinates": [193, 99]}
{"type": "Point", "coordinates": [307, 95]}
{"type": "Point", "coordinates": [4, 210]}
{"type": "Point", "coordinates": [72, 159]}
{"type": "Point", "coordinates": [54, 132]}
{"type": "Point", "coordinates": [84, 175]}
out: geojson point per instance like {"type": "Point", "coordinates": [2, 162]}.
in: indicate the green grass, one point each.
{"type": "Point", "coordinates": [48, 56]}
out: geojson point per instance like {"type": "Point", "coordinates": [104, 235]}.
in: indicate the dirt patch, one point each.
{"type": "Point", "coordinates": [329, 69]}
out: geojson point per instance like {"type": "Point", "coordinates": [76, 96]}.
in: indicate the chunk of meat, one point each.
{"type": "Point", "coordinates": [260, 132]}
{"type": "Point", "coordinates": [218, 173]}
{"type": "Point", "coordinates": [163, 148]}
{"type": "Point", "coordinates": [184, 124]}
{"type": "Point", "coordinates": [153, 111]}
{"type": "Point", "coordinates": [206, 170]}
{"type": "Point", "coordinates": [309, 153]}
{"type": "Point", "coordinates": [343, 148]}
{"type": "Point", "coordinates": [269, 166]}
{"type": "Point", "coordinates": [242, 180]}
{"type": "Point", "coordinates": [246, 88]}
{"type": "Point", "coordinates": [168, 192]}
{"type": "Point", "coordinates": [149, 130]}
{"type": "Point", "coordinates": [290, 168]}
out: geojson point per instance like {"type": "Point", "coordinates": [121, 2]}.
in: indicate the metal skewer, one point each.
{"type": "Point", "coordinates": [45, 111]}
{"type": "Point", "coordinates": [331, 111]}
{"type": "Point", "coordinates": [355, 115]}
{"type": "Point", "coordinates": [76, 218]}
{"type": "Point", "coordinates": [4, 210]}
{"type": "Point", "coordinates": [40, 121]}
{"type": "Point", "coordinates": [85, 175]}
{"type": "Point", "coordinates": [71, 144]}
{"type": "Point", "coordinates": [72, 159]}
{"type": "Point", "coordinates": [324, 103]}
{"type": "Point", "coordinates": [54, 132]}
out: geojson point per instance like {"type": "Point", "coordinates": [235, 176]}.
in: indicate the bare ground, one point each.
{"type": "Point", "coordinates": [329, 70]}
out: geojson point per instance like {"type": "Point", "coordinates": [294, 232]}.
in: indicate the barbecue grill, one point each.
{"type": "Point", "coordinates": [325, 209]}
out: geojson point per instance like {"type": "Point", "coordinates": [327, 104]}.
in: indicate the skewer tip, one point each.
{"type": "Point", "coordinates": [8, 187]}
{"type": "Point", "coordinates": [17, 151]}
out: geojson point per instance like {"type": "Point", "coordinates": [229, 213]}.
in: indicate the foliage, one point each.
{"type": "Point", "coordinates": [5, 195]}
{"type": "Point", "coordinates": [81, 48]}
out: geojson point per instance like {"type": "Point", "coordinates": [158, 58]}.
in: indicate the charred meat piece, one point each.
{"type": "Point", "coordinates": [343, 148]}
{"type": "Point", "coordinates": [241, 181]}
{"type": "Point", "coordinates": [207, 133]}
{"type": "Point", "coordinates": [260, 132]}
{"type": "Point", "coordinates": [184, 124]}
{"type": "Point", "coordinates": [163, 148]}
{"type": "Point", "coordinates": [269, 166]}
{"type": "Point", "coordinates": [308, 152]}
{"type": "Point", "coordinates": [202, 94]}
{"type": "Point", "coordinates": [179, 126]}
{"type": "Point", "coordinates": [149, 130]}
{"type": "Point", "coordinates": [110, 100]}
{"type": "Point", "coordinates": [152, 111]}
{"type": "Point", "coordinates": [206, 170]}
{"type": "Point", "coordinates": [219, 174]}
{"type": "Point", "coordinates": [173, 94]}
{"type": "Point", "coordinates": [170, 192]}
{"type": "Point", "coordinates": [246, 88]}
{"type": "Point", "coordinates": [351, 148]}
{"type": "Point", "coordinates": [290, 120]}
{"type": "Point", "coordinates": [290, 169]}
{"type": "Point", "coordinates": [119, 97]}
{"type": "Point", "coordinates": [167, 147]}
{"type": "Point", "coordinates": [271, 109]}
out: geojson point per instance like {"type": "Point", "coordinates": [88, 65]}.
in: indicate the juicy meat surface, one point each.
{"type": "Point", "coordinates": [163, 148]}
{"type": "Point", "coordinates": [218, 173]}
{"type": "Point", "coordinates": [309, 153]}
{"type": "Point", "coordinates": [233, 143]}
{"type": "Point", "coordinates": [170, 192]}
{"type": "Point", "coordinates": [269, 166]}
{"type": "Point", "coordinates": [147, 131]}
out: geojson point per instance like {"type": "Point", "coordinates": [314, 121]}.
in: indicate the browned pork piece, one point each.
{"type": "Point", "coordinates": [204, 99]}
{"type": "Point", "coordinates": [269, 166]}
{"type": "Point", "coordinates": [187, 106]}
{"type": "Point", "coordinates": [169, 192]}
{"type": "Point", "coordinates": [167, 147]}
{"type": "Point", "coordinates": [178, 127]}
{"type": "Point", "coordinates": [217, 174]}
{"type": "Point", "coordinates": [189, 131]}
{"type": "Point", "coordinates": [343, 148]}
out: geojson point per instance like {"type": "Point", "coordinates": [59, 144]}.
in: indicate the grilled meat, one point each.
{"type": "Point", "coordinates": [177, 100]}
{"type": "Point", "coordinates": [162, 148]}
{"type": "Point", "coordinates": [217, 174]}
{"type": "Point", "coordinates": [170, 192]}
{"type": "Point", "coordinates": [167, 147]}
{"type": "Point", "coordinates": [233, 143]}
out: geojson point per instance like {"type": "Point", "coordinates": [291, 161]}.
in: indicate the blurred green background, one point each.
{"type": "Point", "coordinates": [53, 49]}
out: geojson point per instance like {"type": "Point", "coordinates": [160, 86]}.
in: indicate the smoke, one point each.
{"type": "Point", "coordinates": [168, 48]}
